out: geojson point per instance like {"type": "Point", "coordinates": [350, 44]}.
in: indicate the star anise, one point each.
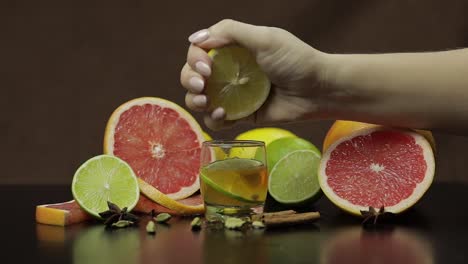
{"type": "Point", "coordinates": [115, 214]}
{"type": "Point", "coordinates": [374, 215]}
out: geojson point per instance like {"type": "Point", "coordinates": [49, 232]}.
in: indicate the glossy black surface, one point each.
{"type": "Point", "coordinates": [434, 231]}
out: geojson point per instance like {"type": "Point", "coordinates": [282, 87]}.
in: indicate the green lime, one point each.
{"type": "Point", "coordinates": [293, 179]}
{"type": "Point", "coordinates": [105, 178]}
{"type": "Point", "coordinates": [244, 180]}
{"type": "Point", "coordinates": [283, 146]}
{"type": "Point", "coordinates": [236, 82]}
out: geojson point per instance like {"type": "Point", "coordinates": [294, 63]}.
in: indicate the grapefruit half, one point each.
{"type": "Point", "coordinates": [160, 141]}
{"type": "Point", "coordinates": [377, 166]}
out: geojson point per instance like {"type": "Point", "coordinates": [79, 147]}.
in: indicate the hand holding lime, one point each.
{"type": "Point", "coordinates": [237, 83]}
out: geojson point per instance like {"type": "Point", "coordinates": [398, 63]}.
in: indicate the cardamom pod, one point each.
{"type": "Point", "coordinates": [196, 223]}
{"type": "Point", "coordinates": [162, 218]}
{"type": "Point", "coordinates": [150, 227]}
{"type": "Point", "coordinates": [258, 224]}
{"type": "Point", "coordinates": [233, 223]}
{"type": "Point", "coordinates": [122, 223]}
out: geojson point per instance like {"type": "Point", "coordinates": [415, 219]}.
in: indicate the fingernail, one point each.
{"type": "Point", "coordinates": [199, 100]}
{"type": "Point", "coordinates": [203, 68]}
{"type": "Point", "coordinates": [199, 36]}
{"type": "Point", "coordinates": [218, 113]}
{"type": "Point", "coordinates": [196, 84]}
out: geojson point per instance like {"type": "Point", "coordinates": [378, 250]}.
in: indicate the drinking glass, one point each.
{"type": "Point", "coordinates": [233, 178]}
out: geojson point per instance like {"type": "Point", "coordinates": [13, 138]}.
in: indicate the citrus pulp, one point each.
{"type": "Point", "coordinates": [236, 83]}
{"type": "Point", "coordinates": [293, 179]}
{"type": "Point", "coordinates": [377, 166]}
{"type": "Point", "coordinates": [161, 142]}
{"type": "Point", "coordinates": [105, 178]}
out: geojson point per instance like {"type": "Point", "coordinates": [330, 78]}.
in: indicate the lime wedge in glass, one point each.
{"type": "Point", "coordinates": [236, 83]}
{"type": "Point", "coordinates": [244, 180]}
{"type": "Point", "coordinates": [293, 180]}
{"type": "Point", "coordinates": [105, 178]}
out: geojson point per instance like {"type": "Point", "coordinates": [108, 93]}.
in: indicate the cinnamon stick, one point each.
{"type": "Point", "coordinates": [290, 219]}
{"type": "Point", "coordinates": [273, 214]}
{"type": "Point", "coordinates": [259, 217]}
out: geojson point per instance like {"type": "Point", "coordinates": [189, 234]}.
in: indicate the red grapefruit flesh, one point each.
{"type": "Point", "coordinates": [161, 142]}
{"type": "Point", "coordinates": [61, 214]}
{"type": "Point", "coordinates": [377, 167]}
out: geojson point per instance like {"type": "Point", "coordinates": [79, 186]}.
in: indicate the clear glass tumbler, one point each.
{"type": "Point", "coordinates": [233, 178]}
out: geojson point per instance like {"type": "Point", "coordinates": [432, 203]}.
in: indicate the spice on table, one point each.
{"type": "Point", "coordinates": [151, 227]}
{"type": "Point", "coordinates": [373, 214]}
{"type": "Point", "coordinates": [290, 219]}
{"type": "Point", "coordinates": [258, 224]}
{"type": "Point", "coordinates": [122, 223]}
{"type": "Point", "coordinates": [162, 217]}
{"type": "Point", "coordinates": [196, 223]}
{"type": "Point", "coordinates": [115, 214]}
{"type": "Point", "coordinates": [233, 223]}
{"type": "Point", "coordinates": [258, 217]}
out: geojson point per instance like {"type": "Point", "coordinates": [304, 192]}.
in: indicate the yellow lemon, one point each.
{"type": "Point", "coordinates": [265, 134]}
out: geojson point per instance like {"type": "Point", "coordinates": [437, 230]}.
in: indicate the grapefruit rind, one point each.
{"type": "Point", "coordinates": [403, 205]}
{"type": "Point", "coordinates": [341, 128]}
{"type": "Point", "coordinates": [113, 121]}
{"type": "Point", "coordinates": [156, 196]}
{"type": "Point", "coordinates": [50, 215]}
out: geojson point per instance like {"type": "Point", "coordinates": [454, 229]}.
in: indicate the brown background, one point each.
{"type": "Point", "coordinates": [66, 66]}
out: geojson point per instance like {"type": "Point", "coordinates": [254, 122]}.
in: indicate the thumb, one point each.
{"type": "Point", "coordinates": [228, 31]}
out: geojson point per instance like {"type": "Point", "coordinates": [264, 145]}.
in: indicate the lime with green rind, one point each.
{"type": "Point", "coordinates": [279, 148]}
{"type": "Point", "coordinates": [105, 178]}
{"type": "Point", "coordinates": [293, 180]}
{"type": "Point", "coordinates": [234, 186]}
{"type": "Point", "coordinates": [237, 83]}
{"type": "Point", "coordinates": [218, 188]}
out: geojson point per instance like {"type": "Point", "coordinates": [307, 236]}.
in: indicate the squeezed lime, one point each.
{"type": "Point", "coordinates": [236, 83]}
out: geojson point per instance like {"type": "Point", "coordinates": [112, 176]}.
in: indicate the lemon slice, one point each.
{"type": "Point", "coordinates": [237, 83]}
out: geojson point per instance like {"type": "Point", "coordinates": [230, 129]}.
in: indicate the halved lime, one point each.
{"type": "Point", "coordinates": [244, 180]}
{"type": "Point", "coordinates": [293, 179]}
{"type": "Point", "coordinates": [279, 148]}
{"type": "Point", "coordinates": [236, 82]}
{"type": "Point", "coordinates": [105, 178]}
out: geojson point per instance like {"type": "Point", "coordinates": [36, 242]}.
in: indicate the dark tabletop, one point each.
{"type": "Point", "coordinates": [434, 231]}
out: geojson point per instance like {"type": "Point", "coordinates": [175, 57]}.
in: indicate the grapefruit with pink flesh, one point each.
{"type": "Point", "coordinates": [377, 166]}
{"type": "Point", "coordinates": [161, 142]}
